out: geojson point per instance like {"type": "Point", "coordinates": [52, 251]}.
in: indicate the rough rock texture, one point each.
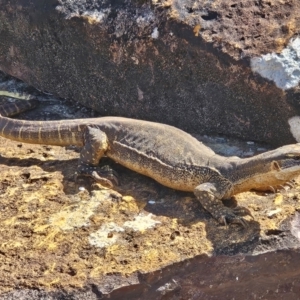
{"type": "Point", "coordinates": [62, 238]}
{"type": "Point", "coordinates": [268, 276]}
{"type": "Point", "coordinates": [181, 62]}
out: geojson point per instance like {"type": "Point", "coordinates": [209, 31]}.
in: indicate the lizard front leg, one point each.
{"type": "Point", "coordinates": [95, 146]}
{"type": "Point", "coordinates": [210, 198]}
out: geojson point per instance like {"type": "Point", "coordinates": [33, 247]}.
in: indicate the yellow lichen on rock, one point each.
{"type": "Point", "coordinates": [64, 233]}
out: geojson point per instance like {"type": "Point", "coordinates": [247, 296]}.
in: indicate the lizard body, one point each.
{"type": "Point", "coordinates": [165, 153]}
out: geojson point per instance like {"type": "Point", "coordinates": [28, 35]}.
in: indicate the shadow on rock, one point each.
{"type": "Point", "coordinates": [158, 200]}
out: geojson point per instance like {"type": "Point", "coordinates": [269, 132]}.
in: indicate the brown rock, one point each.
{"type": "Point", "coordinates": [179, 62]}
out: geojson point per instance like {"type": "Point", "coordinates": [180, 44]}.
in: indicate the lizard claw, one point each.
{"type": "Point", "coordinates": [231, 218]}
{"type": "Point", "coordinates": [108, 172]}
{"type": "Point", "coordinates": [240, 221]}
{"type": "Point", "coordinates": [101, 180]}
{"type": "Point", "coordinates": [291, 184]}
{"type": "Point", "coordinates": [223, 221]}
{"type": "Point", "coordinates": [272, 189]}
{"type": "Point", "coordinates": [242, 211]}
{"type": "Point", "coordinates": [99, 174]}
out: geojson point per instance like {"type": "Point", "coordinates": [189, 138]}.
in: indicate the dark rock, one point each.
{"type": "Point", "coordinates": [179, 62]}
{"type": "Point", "coordinates": [267, 276]}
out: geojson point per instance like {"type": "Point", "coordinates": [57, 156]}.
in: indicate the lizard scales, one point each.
{"type": "Point", "coordinates": [167, 154]}
{"type": "Point", "coordinates": [128, 146]}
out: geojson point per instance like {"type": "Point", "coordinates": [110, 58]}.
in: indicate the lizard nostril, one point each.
{"type": "Point", "coordinates": [275, 165]}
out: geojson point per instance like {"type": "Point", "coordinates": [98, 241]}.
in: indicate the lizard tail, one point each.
{"type": "Point", "coordinates": [16, 107]}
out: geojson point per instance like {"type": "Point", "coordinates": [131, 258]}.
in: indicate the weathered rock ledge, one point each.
{"type": "Point", "coordinates": [193, 64]}
{"type": "Point", "coordinates": [62, 238]}
{"type": "Point", "coordinates": [186, 63]}
{"type": "Point", "coordinates": [269, 276]}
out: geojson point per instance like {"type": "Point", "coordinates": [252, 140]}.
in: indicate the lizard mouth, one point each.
{"type": "Point", "coordinates": [290, 163]}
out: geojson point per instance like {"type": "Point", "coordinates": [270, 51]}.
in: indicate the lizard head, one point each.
{"type": "Point", "coordinates": [286, 162]}
{"type": "Point", "coordinates": [268, 170]}
{"type": "Point", "coordinates": [283, 165]}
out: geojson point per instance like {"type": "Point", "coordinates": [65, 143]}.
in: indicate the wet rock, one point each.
{"type": "Point", "coordinates": [204, 66]}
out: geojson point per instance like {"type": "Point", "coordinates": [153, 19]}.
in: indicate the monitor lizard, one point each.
{"type": "Point", "coordinates": [165, 153]}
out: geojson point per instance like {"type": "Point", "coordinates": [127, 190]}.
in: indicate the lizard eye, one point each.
{"type": "Point", "coordinates": [293, 156]}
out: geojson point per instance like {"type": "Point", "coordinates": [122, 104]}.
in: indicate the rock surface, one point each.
{"type": "Point", "coordinates": [62, 238]}
{"type": "Point", "coordinates": [193, 64]}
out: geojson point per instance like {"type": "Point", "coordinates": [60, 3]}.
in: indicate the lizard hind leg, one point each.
{"type": "Point", "coordinates": [207, 194]}
{"type": "Point", "coordinates": [95, 146]}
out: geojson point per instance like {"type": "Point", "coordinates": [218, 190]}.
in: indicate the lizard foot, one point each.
{"type": "Point", "coordinates": [110, 173]}
{"type": "Point", "coordinates": [104, 175]}
{"type": "Point", "coordinates": [206, 194]}
{"type": "Point", "coordinates": [231, 217]}
{"type": "Point", "coordinates": [242, 211]}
